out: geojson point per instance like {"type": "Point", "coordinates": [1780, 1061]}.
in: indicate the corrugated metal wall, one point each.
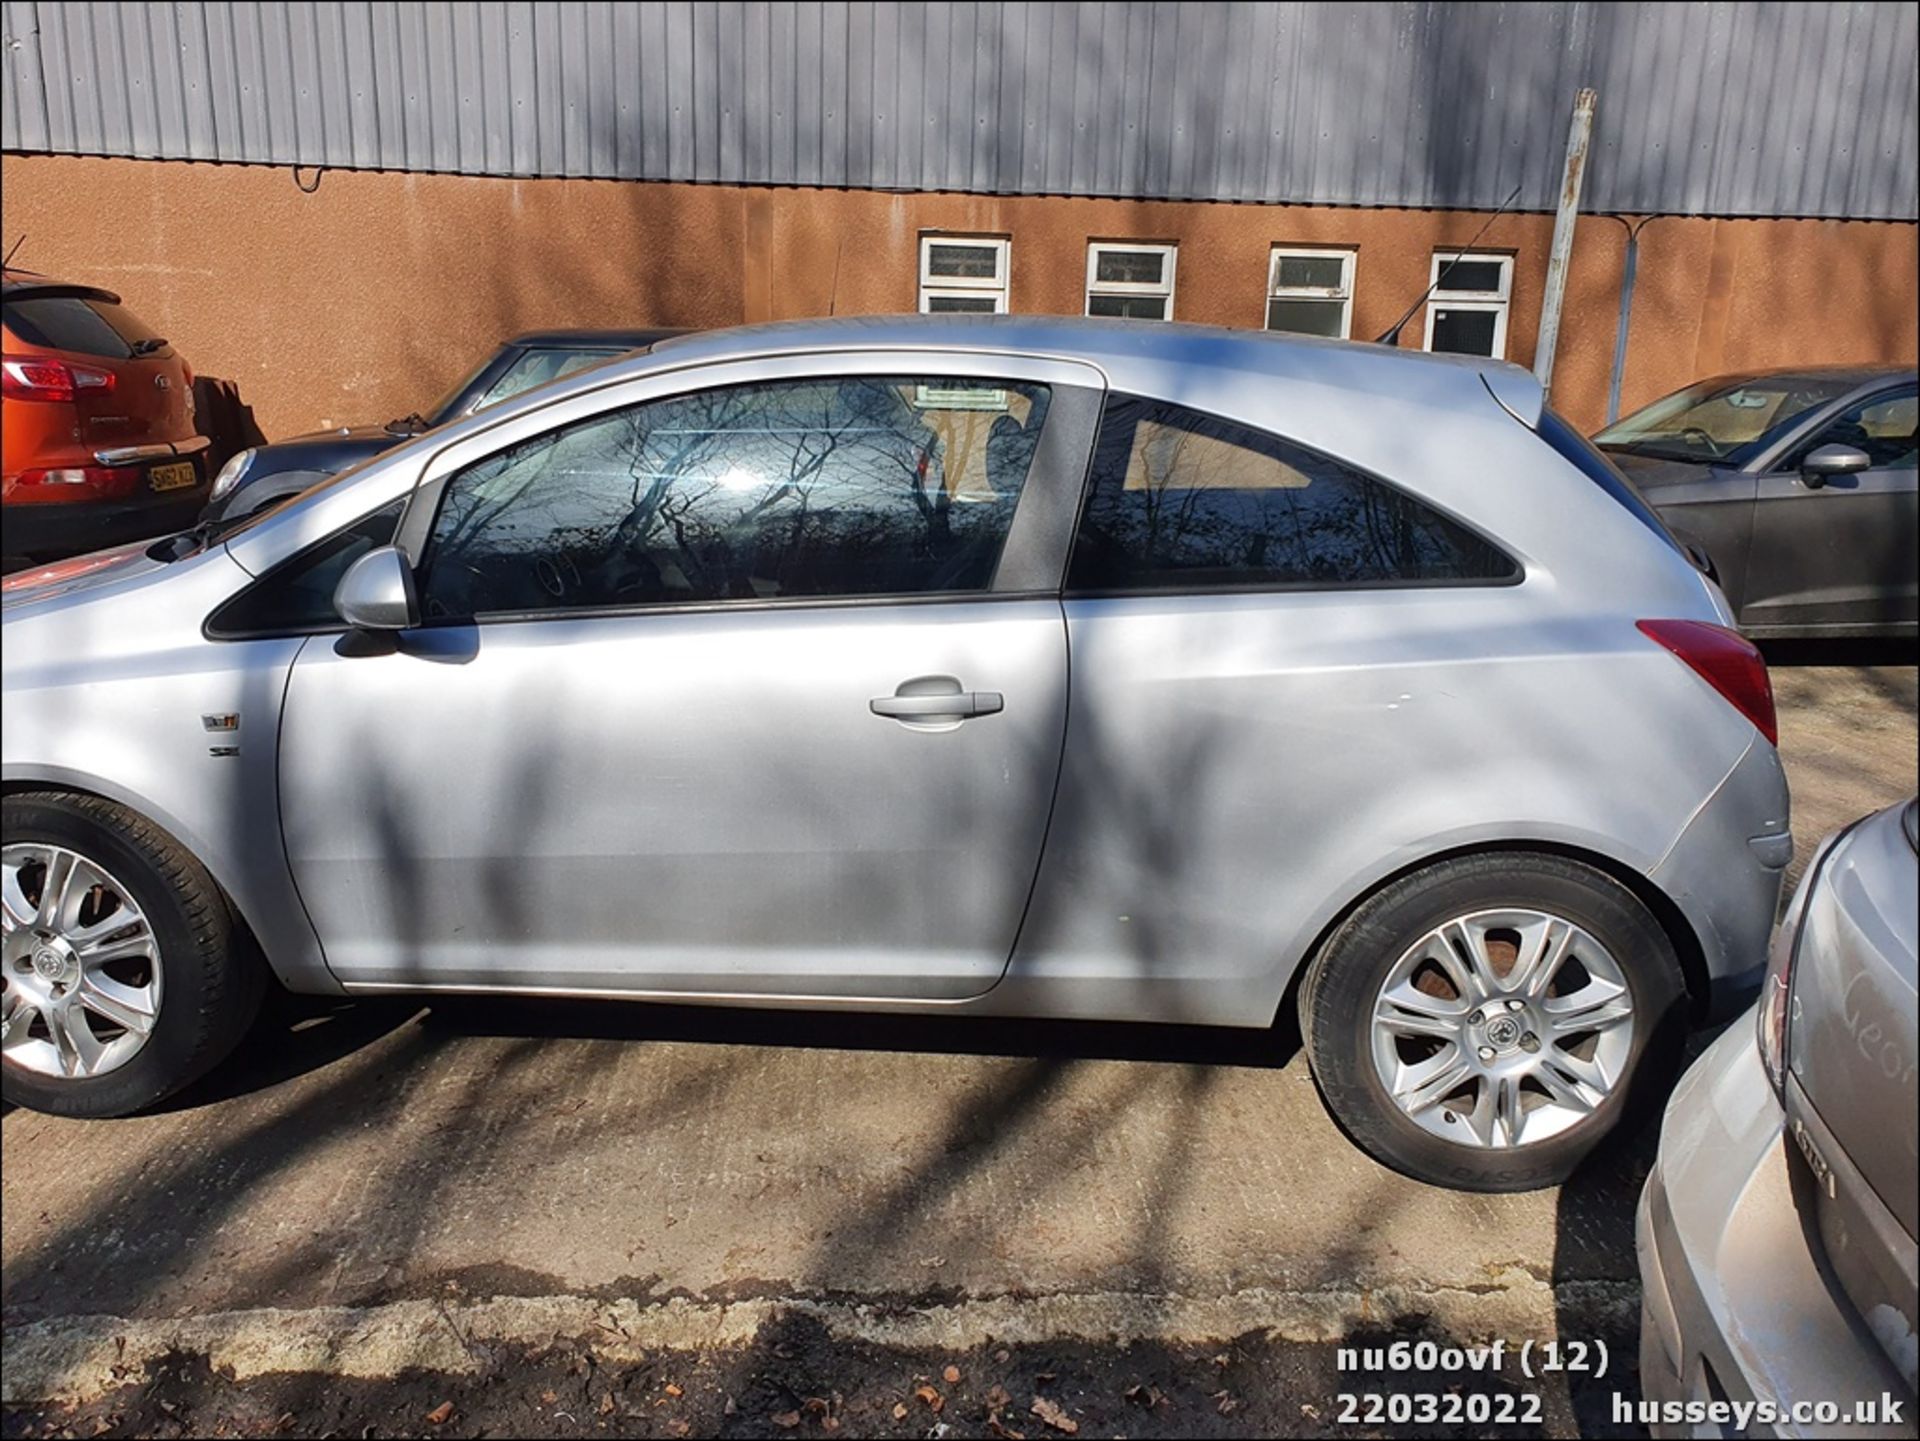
{"type": "Point", "coordinates": [1717, 109]}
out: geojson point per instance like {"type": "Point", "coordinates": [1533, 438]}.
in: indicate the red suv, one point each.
{"type": "Point", "coordinates": [99, 444]}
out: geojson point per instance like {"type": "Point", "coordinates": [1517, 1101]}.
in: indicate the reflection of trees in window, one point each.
{"type": "Point", "coordinates": [858, 486]}
{"type": "Point", "coordinates": [1183, 500]}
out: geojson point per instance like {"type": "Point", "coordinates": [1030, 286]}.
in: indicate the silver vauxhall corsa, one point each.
{"type": "Point", "coordinates": [987, 665]}
{"type": "Point", "coordinates": [1776, 1232]}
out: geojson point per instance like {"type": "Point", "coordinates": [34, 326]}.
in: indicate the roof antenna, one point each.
{"type": "Point", "coordinates": [1392, 337]}
{"type": "Point", "coordinates": [15, 251]}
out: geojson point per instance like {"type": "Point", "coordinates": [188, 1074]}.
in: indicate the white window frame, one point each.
{"type": "Point", "coordinates": [1277, 291]}
{"type": "Point", "coordinates": [1130, 287]}
{"type": "Point", "coordinates": [941, 287]}
{"type": "Point", "coordinates": [1482, 300]}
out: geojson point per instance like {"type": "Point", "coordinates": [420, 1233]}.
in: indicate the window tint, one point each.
{"type": "Point", "coordinates": [537, 367]}
{"type": "Point", "coordinates": [1883, 427]}
{"type": "Point", "coordinates": [1186, 501]}
{"type": "Point", "coordinates": [812, 488]}
{"type": "Point", "coordinates": [80, 325]}
{"type": "Point", "coordinates": [298, 596]}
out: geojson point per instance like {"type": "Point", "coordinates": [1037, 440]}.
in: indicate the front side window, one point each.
{"type": "Point", "coordinates": [1882, 426]}
{"type": "Point", "coordinates": [1133, 281]}
{"type": "Point", "coordinates": [1722, 421]}
{"type": "Point", "coordinates": [964, 274]}
{"type": "Point", "coordinates": [1186, 501]}
{"type": "Point", "coordinates": [844, 487]}
{"type": "Point", "coordinates": [1310, 292]}
{"type": "Point", "coordinates": [537, 367]}
{"type": "Point", "coordinates": [1467, 312]}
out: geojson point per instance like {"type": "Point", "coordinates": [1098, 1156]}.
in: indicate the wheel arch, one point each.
{"type": "Point", "coordinates": [56, 779]}
{"type": "Point", "coordinates": [1664, 909]}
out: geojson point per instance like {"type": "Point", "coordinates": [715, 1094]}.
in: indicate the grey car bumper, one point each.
{"type": "Point", "coordinates": [1735, 1305]}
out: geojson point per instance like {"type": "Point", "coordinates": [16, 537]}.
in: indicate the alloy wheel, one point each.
{"type": "Point", "coordinates": [1502, 1028]}
{"type": "Point", "coordinates": [80, 962]}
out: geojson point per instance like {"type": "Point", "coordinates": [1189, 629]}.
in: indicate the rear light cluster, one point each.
{"type": "Point", "coordinates": [1775, 1011]}
{"type": "Point", "coordinates": [1725, 660]}
{"type": "Point", "coordinates": [32, 377]}
{"type": "Point", "coordinates": [71, 483]}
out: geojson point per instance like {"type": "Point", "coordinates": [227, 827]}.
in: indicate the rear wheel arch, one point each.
{"type": "Point", "coordinates": [1665, 910]}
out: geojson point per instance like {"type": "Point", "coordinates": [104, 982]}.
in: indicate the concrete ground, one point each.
{"type": "Point", "coordinates": [561, 1218]}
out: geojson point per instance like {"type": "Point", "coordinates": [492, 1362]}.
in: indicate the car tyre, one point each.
{"type": "Point", "coordinates": [1374, 956]}
{"type": "Point", "coordinates": [212, 980]}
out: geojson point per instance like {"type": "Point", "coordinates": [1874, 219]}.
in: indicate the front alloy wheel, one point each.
{"type": "Point", "coordinates": [80, 962]}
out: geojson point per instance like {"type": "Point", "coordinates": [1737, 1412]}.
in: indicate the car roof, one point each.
{"type": "Point", "coordinates": [1147, 353]}
{"type": "Point", "coordinates": [1857, 374]}
{"type": "Point", "coordinates": [579, 339]}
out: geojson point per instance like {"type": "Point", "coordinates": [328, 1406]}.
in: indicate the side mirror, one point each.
{"type": "Point", "coordinates": [377, 593]}
{"type": "Point", "coordinates": [1825, 461]}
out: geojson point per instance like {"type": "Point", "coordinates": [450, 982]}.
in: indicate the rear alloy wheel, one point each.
{"type": "Point", "coordinates": [124, 974]}
{"type": "Point", "coordinates": [1484, 1023]}
{"type": "Point", "coordinates": [1502, 1028]}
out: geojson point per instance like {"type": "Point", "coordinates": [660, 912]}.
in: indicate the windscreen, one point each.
{"type": "Point", "coordinates": [1721, 421]}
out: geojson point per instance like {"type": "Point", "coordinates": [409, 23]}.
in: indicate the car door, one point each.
{"type": "Point", "coordinates": [742, 682]}
{"type": "Point", "coordinates": [1841, 555]}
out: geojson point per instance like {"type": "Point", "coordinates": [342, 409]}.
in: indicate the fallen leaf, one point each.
{"type": "Point", "coordinates": [548, 1397]}
{"type": "Point", "coordinates": [441, 1414]}
{"type": "Point", "coordinates": [785, 1420]}
{"type": "Point", "coordinates": [1050, 1413]}
{"type": "Point", "coordinates": [1227, 1405]}
{"type": "Point", "coordinates": [1000, 1428]}
{"type": "Point", "coordinates": [1147, 1396]}
{"type": "Point", "coordinates": [679, 1427]}
{"type": "Point", "coordinates": [606, 1403]}
{"type": "Point", "coordinates": [1311, 1412]}
{"type": "Point", "coordinates": [1003, 1356]}
{"type": "Point", "coordinates": [1222, 1359]}
{"type": "Point", "coordinates": [935, 1401]}
{"type": "Point", "coordinates": [899, 1410]}
{"type": "Point", "coordinates": [951, 1375]}
{"type": "Point", "coordinates": [673, 1390]}
{"type": "Point", "coordinates": [829, 1423]}
{"type": "Point", "coordinates": [997, 1398]}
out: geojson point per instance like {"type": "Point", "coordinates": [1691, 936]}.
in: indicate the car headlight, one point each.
{"type": "Point", "coordinates": [232, 473]}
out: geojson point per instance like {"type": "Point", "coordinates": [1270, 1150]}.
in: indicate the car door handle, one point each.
{"type": "Point", "coordinates": [955, 706]}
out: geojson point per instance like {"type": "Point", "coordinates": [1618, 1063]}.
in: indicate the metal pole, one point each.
{"type": "Point", "coordinates": [1628, 271]}
{"type": "Point", "coordinates": [1577, 136]}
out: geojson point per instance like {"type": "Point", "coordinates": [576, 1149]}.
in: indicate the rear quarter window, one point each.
{"type": "Point", "coordinates": [80, 325]}
{"type": "Point", "coordinates": [1181, 500]}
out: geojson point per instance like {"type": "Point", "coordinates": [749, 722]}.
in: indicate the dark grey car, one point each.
{"type": "Point", "coordinates": [1800, 487]}
{"type": "Point", "coordinates": [265, 475]}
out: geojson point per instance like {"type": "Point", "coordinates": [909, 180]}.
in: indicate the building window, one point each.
{"type": "Point", "coordinates": [1310, 292]}
{"type": "Point", "coordinates": [1467, 314]}
{"type": "Point", "coordinates": [1135, 281]}
{"type": "Point", "coordinates": [963, 273]}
